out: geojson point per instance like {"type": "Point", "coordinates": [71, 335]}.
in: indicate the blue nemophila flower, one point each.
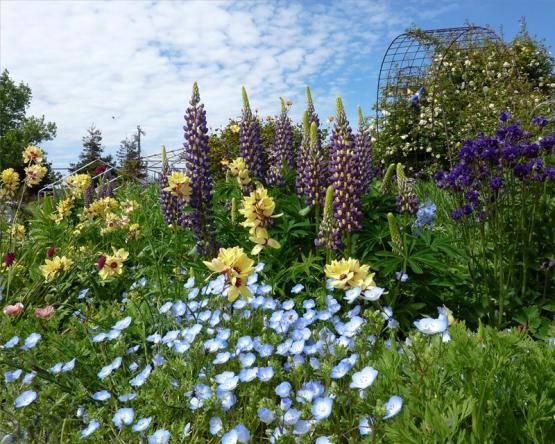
{"type": "Point", "coordinates": [215, 425]}
{"type": "Point", "coordinates": [247, 359]}
{"type": "Point", "coordinates": [227, 380]}
{"type": "Point", "coordinates": [100, 337]}
{"type": "Point", "coordinates": [161, 436]}
{"type": "Point", "coordinates": [400, 276]}
{"type": "Point", "coordinates": [425, 215]}
{"type": "Point", "coordinates": [127, 397]}
{"type": "Point", "coordinates": [31, 341]}
{"type": "Point", "coordinates": [26, 398]}
{"type": "Point", "coordinates": [302, 427]}
{"type": "Point", "coordinates": [430, 326]}
{"type": "Point", "coordinates": [221, 358]}
{"type": "Point", "coordinates": [283, 390]}
{"type": "Point", "coordinates": [80, 411]}
{"type": "Point", "coordinates": [265, 373]}
{"type": "Point", "coordinates": [341, 369]}
{"type": "Point", "coordinates": [12, 376]}
{"type": "Point", "coordinates": [266, 415]}
{"type": "Point", "coordinates": [323, 440]}
{"type": "Point", "coordinates": [28, 378]}
{"type": "Point", "coordinates": [364, 378]}
{"type": "Point", "coordinates": [297, 289]}
{"type": "Point", "coordinates": [243, 434]}
{"type": "Point", "coordinates": [291, 416]}
{"type": "Point", "coordinates": [90, 429]}
{"type": "Point", "coordinates": [102, 395]}
{"type": "Point", "coordinates": [321, 408]}
{"type": "Point", "coordinates": [141, 378]}
{"type": "Point", "coordinates": [227, 398]}
{"type": "Point", "coordinates": [165, 307]}
{"type": "Point", "coordinates": [12, 342]}
{"type": "Point", "coordinates": [373, 294]}
{"type": "Point", "coordinates": [387, 314]}
{"type": "Point", "coordinates": [364, 427]}
{"type": "Point", "coordinates": [248, 374]}
{"type": "Point", "coordinates": [122, 324]}
{"type": "Point", "coordinates": [393, 406]}
{"type": "Point", "coordinates": [108, 369]}
{"type": "Point", "coordinates": [123, 417]}
{"type": "Point", "coordinates": [285, 404]}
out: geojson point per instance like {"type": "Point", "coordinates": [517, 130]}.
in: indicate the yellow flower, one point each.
{"type": "Point", "coordinates": [260, 237]}
{"type": "Point", "coordinates": [34, 174]}
{"type": "Point", "coordinates": [112, 265]}
{"type": "Point", "coordinates": [238, 169]}
{"type": "Point", "coordinates": [234, 128]}
{"type": "Point", "coordinates": [236, 266]}
{"type": "Point", "coordinates": [258, 208]}
{"type": "Point", "coordinates": [55, 265]}
{"type": "Point", "coordinates": [134, 231]}
{"type": "Point", "coordinates": [179, 185]}
{"type": "Point", "coordinates": [33, 154]}
{"type": "Point", "coordinates": [348, 273]}
{"type": "Point", "coordinates": [129, 206]}
{"type": "Point", "coordinates": [113, 222]}
{"type": "Point", "coordinates": [9, 182]}
{"type": "Point", "coordinates": [63, 210]}
{"type": "Point", "coordinates": [100, 208]}
{"type": "Point", "coordinates": [18, 231]}
{"type": "Point", "coordinates": [78, 183]}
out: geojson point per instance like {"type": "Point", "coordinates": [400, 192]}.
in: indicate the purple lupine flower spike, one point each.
{"type": "Point", "coordinates": [302, 156]}
{"type": "Point", "coordinates": [345, 174]}
{"type": "Point", "coordinates": [168, 203]}
{"type": "Point", "coordinates": [364, 148]}
{"type": "Point", "coordinates": [250, 145]}
{"type": "Point", "coordinates": [315, 172]}
{"type": "Point", "coordinates": [197, 164]}
{"type": "Point", "coordinates": [281, 154]}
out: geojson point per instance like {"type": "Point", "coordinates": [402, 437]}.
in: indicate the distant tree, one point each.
{"type": "Point", "coordinates": [128, 158]}
{"type": "Point", "coordinates": [92, 150]}
{"type": "Point", "coordinates": [17, 130]}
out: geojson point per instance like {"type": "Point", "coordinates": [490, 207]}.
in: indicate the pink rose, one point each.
{"type": "Point", "coordinates": [13, 310]}
{"type": "Point", "coordinates": [44, 313]}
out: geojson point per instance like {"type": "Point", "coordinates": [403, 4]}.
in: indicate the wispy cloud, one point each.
{"type": "Point", "coordinates": [123, 63]}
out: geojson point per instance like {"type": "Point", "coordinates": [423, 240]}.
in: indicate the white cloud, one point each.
{"type": "Point", "coordinates": [87, 61]}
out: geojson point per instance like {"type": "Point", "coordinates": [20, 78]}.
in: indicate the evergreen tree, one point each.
{"type": "Point", "coordinates": [128, 158]}
{"type": "Point", "coordinates": [92, 150]}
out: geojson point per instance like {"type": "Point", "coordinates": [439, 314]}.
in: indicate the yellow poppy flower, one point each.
{"type": "Point", "coordinates": [78, 183]}
{"type": "Point", "coordinates": [34, 174]}
{"type": "Point", "coordinates": [33, 154]}
{"type": "Point", "coordinates": [179, 185]}
{"type": "Point", "coordinates": [55, 265]}
{"type": "Point", "coordinates": [113, 264]}
{"type": "Point", "coordinates": [348, 273]}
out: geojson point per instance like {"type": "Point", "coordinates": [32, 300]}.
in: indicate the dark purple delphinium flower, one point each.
{"type": "Point", "coordinates": [345, 174]}
{"type": "Point", "coordinates": [250, 145]}
{"type": "Point", "coordinates": [487, 164]}
{"type": "Point", "coordinates": [169, 205]}
{"type": "Point", "coordinates": [540, 121]}
{"type": "Point", "coordinates": [197, 164]}
{"type": "Point", "coordinates": [363, 142]}
{"type": "Point", "coordinates": [281, 154]}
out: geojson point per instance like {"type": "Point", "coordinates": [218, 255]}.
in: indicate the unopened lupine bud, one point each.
{"type": "Point", "coordinates": [394, 230]}
{"type": "Point", "coordinates": [328, 236]}
{"type": "Point", "coordinates": [387, 179]}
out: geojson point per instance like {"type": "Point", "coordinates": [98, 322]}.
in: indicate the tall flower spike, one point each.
{"type": "Point", "coordinates": [281, 154]}
{"type": "Point", "coordinates": [302, 156]}
{"type": "Point", "coordinates": [250, 145]}
{"type": "Point", "coordinates": [197, 164]}
{"type": "Point", "coordinates": [394, 230]}
{"type": "Point", "coordinates": [364, 149]}
{"type": "Point", "coordinates": [168, 204]}
{"type": "Point", "coordinates": [328, 235]}
{"type": "Point", "coordinates": [345, 174]}
{"type": "Point", "coordinates": [315, 170]}
{"type": "Point", "coordinates": [387, 178]}
{"type": "Point", "coordinates": [407, 202]}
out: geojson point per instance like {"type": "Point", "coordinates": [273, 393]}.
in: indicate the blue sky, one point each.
{"type": "Point", "coordinates": [120, 64]}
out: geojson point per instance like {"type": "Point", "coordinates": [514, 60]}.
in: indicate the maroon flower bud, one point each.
{"type": "Point", "coordinates": [9, 259]}
{"type": "Point", "coordinates": [99, 170]}
{"type": "Point", "coordinates": [51, 252]}
{"type": "Point", "coordinates": [101, 262]}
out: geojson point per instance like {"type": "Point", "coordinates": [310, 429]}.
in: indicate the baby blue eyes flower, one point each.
{"type": "Point", "coordinates": [122, 324]}
{"type": "Point", "coordinates": [160, 436]}
{"type": "Point", "coordinates": [28, 378]}
{"type": "Point", "coordinates": [123, 417]}
{"type": "Point", "coordinates": [373, 294]}
{"type": "Point", "coordinates": [430, 326]}
{"type": "Point", "coordinates": [243, 434]}
{"type": "Point", "coordinates": [266, 415]}
{"type": "Point", "coordinates": [265, 373]}
{"type": "Point", "coordinates": [291, 416]}
{"type": "Point", "coordinates": [248, 374]}
{"type": "Point", "coordinates": [364, 378]}
{"type": "Point", "coordinates": [142, 424]}
{"type": "Point", "coordinates": [323, 440]}
{"type": "Point", "coordinates": [230, 437]}
{"type": "Point", "coordinates": [165, 308]}
{"type": "Point", "coordinates": [215, 425]}
{"type": "Point", "coordinates": [402, 277]}
{"type": "Point", "coordinates": [393, 406]}
{"type": "Point", "coordinates": [340, 370]}
{"type": "Point", "coordinates": [227, 381]}
{"type": "Point", "coordinates": [26, 398]}
{"type": "Point", "coordinates": [11, 343]}
{"type": "Point", "coordinates": [283, 390]}
{"type": "Point", "coordinates": [31, 341]}
{"type": "Point", "coordinates": [221, 358]}
{"type": "Point", "coordinates": [108, 369]}
{"type": "Point", "coordinates": [364, 427]}
{"type": "Point", "coordinates": [12, 376]}
{"type": "Point", "coordinates": [102, 395]}
{"type": "Point", "coordinates": [127, 397]}
{"type": "Point", "coordinates": [90, 429]}
{"type": "Point", "coordinates": [297, 289]}
{"type": "Point", "coordinates": [321, 408]}
{"type": "Point", "coordinates": [247, 359]}
{"type": "Point", "coordinates": [141, 378]}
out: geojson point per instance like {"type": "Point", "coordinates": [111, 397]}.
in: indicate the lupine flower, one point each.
{"type": "Point", "coordinates": [238, 168]}
{"type": "Point", "coordinates": [393, 406]}
{"type": "Point", "coordinates": [407, 202]}
{"type": "Point", "coordinates": [345, 175]}
{"type": "Point", "coordinates": [363, 143]}
{"type": "Point", "coordinates": [169, 204]}
{"type": "Point", "coordinates": [281, 154]}
{"type": "Point", "coordinates": [17, 231]}
{"type": "Point", "coordinates": [250, 146]}
{"type": "Point", "coordinates": [387, 178]}
{"type": "Point", "coordinates": [328, 234]}
{"type": "Point", "coordinates": [112, 265]}
{"type": "Point", "coordinates": [394, 231]}
{"type": "Point", "coordinates": [197, 163]}
{"type": "Point", "coordinates": [236, 266]}
{"type": "Point", "coordinates": [13, 310]}
{"type": "Point", "coordinates": [54, 266]}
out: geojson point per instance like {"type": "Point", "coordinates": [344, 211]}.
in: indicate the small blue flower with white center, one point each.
{"type": "Point", "coordinates": [430, 326]}
{"type": "Point", "coordinates": [265, 373]}
{"type": "Point", "coordinates": [227, 398]}
{"type": "Point", "coordinates": [283, 390]}
{"type": "Point", "coordinates": [323, 440]}
{"type": "Point", "coordinates": [393, 406]}
{"type": "Point", "coordinates": [25, 398]}
{"type": "Point", "coordinates": [248, 374]}
{"type": "Point", "coordinates": [321, 408]}
{"type": "Point", "coordinates": [364, 378]}
{"type": "Point", "coordinates": [341, 369]}
{"type": "Point", "coordinates": [401, 277]}
{"type": "Point", "coordinates": [12, 342]}
{"type": "Point", "coordinates": [352, 294]}
{"type": "Point", "coordinates": [364, 427]}
{"type": "Point", "coordinates": [266, 415]}
{"type": "Point", "coordinates": [297, 288]}
{"type": "Point", "coordinates": [12, 376]}
{"type": "Point", "coordinates": [102, 395]}
{"type": "Point", "coordinates": [123, 417]}
{"type": "Point", "coordinates": [160, 436]}
{"type": "Point", "coordinates": [291, 416]}
{"type": "Point", "coordinates": [227, 381]}
{"type": "Point", "coordinates": [247, 359]}
{"type": "Point", "coordinates": [31, 341]}
{"type": "Point", "coordinates": [28, 378]}
{"type": "Point", "coordinates": [90, 429]}
{"type": "Point", "coordinates": [243, 434]}
{"type": "Point", "coordinates": [142, 424]}
{"type": "Point", "coordinates": [373, 294]}
{"type": "Point", "coordinates": [141, 378]}
{"type": "Point", "coordinates": [127, 397]}
{"type": "Point", "coordinates": [215, 425]}
{"type": "Point", "coordinates": [122, 324]}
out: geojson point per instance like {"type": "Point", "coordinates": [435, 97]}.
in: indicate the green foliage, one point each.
{"type": "Point", "coordinates": [92, 151]}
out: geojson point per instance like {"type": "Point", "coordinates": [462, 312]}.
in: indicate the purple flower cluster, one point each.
{"type": "Point", "coordinates": [344, 167]}
{"type": "Point", "coordinates": [169, 205]}
{"type": "Point", "coordinates": [487, 164]}
{"type": "Point", "coordinates": [363, 142]}
{"type": "Point", "coordinates": [281, 154]}
{"type": "Point", "coordinates": [197, 163]}
{"type": "Point", "coordinates": [250, 145]}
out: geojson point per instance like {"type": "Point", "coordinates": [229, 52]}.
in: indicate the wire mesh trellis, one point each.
{"type": "Point", "coordinates": [410, 56]}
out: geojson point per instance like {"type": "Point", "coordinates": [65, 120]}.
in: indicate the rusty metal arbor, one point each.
{"type": "Point", "coordinates": [410, 56]}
